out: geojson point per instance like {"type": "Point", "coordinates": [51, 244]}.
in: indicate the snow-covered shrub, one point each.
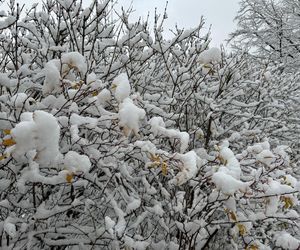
{"type": "Point", "coordinates": [114, 139]}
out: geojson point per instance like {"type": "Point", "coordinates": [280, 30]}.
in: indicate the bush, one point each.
{"type": "Point", "coordinates": [116, 139]}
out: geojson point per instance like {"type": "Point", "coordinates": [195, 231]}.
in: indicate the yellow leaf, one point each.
{"type": "Point", "coordinates": [2, 157]}
{"type": "Point", "coordinates": [77, 85]}
{"type": "Point", "coordinates": [154, 157]}
{"type": "Point", "coordinates": [95, 93]}
{"type": "Point", "coordinates": [252, 247]}
{"type": "Point", "coordinates": [8, 142]}
{"type": "Point", "coordinates": [232, 216]}
{"type": "Point", "coordinates": [126, 131]}
{"type": "Point", "coordinates": [222, 160]}
{"type": "Point", "coordinates": [207, 66]}
{"type": "Point", "coordinates": [285, 181]}
{"type": "Point", "coordinates": [288, 203]}
{"type": "Point", "coordinates": [6, 131]}
{"type": "Point", "coordinates": [242, 229]}
{"type": "Point", "coordinates": [69, 177]}
{"type": "Point", "coordinates": [164, 168]}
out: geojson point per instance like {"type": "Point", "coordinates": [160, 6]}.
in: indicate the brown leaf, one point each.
{"type": "Point", "coordinates": [8, 142]}
{"type": "Point", "coordinates": [69, 177]}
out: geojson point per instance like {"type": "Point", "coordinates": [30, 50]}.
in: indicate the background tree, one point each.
{"type": "Point", "coordinates": [270, 30]}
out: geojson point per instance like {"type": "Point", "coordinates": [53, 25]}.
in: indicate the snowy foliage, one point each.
{"type": "Point", "coordinates": [112, 138]}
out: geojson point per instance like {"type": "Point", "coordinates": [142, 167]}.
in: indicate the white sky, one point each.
{"type": "Point", "coordinates": [187, 13]}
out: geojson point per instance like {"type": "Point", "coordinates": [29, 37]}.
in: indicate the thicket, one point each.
{"type": "Point", "coordinates": [114, 137]}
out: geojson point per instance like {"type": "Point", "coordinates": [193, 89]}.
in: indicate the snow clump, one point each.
{"type": "Point", "coordinates": [121, 87]}
{"type": "Point", "coordinates": [227, 179]}
{"type": "Point", "coordinates": [130, 116]}
{"type": "Point", "coordinates": [212, 55]}
{"type": "Point", "coordinates": [38, 131]}
{"type": "Point", "coordinates": [77, 163]}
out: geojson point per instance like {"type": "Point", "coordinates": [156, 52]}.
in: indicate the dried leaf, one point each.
{"type": "Point", "coordinates": [164, 168]}
{"type": "Point", "coordinates": [252, 247]}
{"type": "Point", "coordinates": [69, 177]}
{"type": "Point", "coordinates": [154, 157]}
{"type": "Point", "coordinates": [95, 93]}
{"type": "Point", "coordinates": [7, 131]}
{"type": "Point", "coordinates": [126, 131]}
{"type": "Point", "coordinates": [2, 157]}
{"type": "Point", "coordinates": [288, 203]}
{"type": "Point", "coordinates": [8, 142]}
{"type": "Point", "coordinates": [207, 66]}
{"type": "Point", "coordinates": [242, 229]}
{"type": "Point", "coordinates": [232, 216]}
{"type": "Point", "coordinates": [77, 85]}
{"type": "Point", "coordinates": [222, 160]}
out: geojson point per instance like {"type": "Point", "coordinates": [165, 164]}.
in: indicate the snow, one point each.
{"type": "Point", "coordinates": [227, 178]}
{"type": "Point", "coordinates": [77, 163]}
{"type": "Point", "coordinates": [23, 135]}
{"type": "Point", "coordinates": [273, 189]}
{"type": "Point", "coordinates": [4, 80]}
{"type": "Point", "coordinates": [4, 183]}
{"type": "Point", "coordinates": [227, 183]}
{"type": "Point", "coordinates": [4, 121]}
{"type": "Point", "coordinates": [156, 209]}
{"type": "Point", "coordinates": [73, 108]}
{"type": "Point", "coordinates": [259, 147]}
{"type": "Point", "coordinates": [130, 116]}
{"type": "Point", "coordinates": [3, 13]}
{"type": "Point", "coordinates": [103, 97]}
{"type": "Point", "coordinates": [52, 82]}
{"type": "Point", "coordinates": [10, 228]}
{"type": "Point", "coordinates": [266, 157]}
{"type": "Point", "coordinates": [156, 124]}
{"type": "Point", "coordinates": [121, 87]}
{"type": "Point", "coordinates": [121, 224]}
{"type": "Point", "coordinates": [109, 225]}
{"type": "Point", "coordinates": [189, 168]}
{"type": "Point", "coordinates": [91, 78]}
{"type": "Point", "coordinates": [75, 60]}
{"type": "Point", "coordinates": [21, 100]}
{"type": "Point", "coordinates": [46, 134]}
{"type": "Point", "coordinates": [286, 241]}
{"type": "Point", "coordinates": [78, 120]}
{"type": "Point", "coordinates": [7, 22]}
{"type": "Point", "coordinates": [229, 160]}
{"type": "Point", "coordinates": [52, 71]}
{"type": "Point", "coordinates": [267, 75]}
{"type": "Point", "coordinates": [290, 180]}
{"type": "Point", "coordinates": [133, 205]}
{"type": "Point", "coordinates": [158, 127]}
{"type": "Point", "coordinates": [146, 146]}
{"type": "Point", "coordinates": [137, 245]}
{"type": "Point", "coordinates": [39, 131]}
{"type": "Point", "coordinates": [212, 55]}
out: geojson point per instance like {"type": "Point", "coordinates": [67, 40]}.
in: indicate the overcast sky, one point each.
{"type": "Point", "coordinates": [187, 13]}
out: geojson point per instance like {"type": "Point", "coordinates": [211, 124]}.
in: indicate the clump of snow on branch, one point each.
{"type": "Point", "coordinates": [38, 132]}
{"type": "Point", "coordinates": [130, 117]}
{"type": "Point", "coordinates": [212, 55]}
{"type": "Point", "coordinates": [121, 87]}
{"type": "Point", "coordinates": [158, 127]}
